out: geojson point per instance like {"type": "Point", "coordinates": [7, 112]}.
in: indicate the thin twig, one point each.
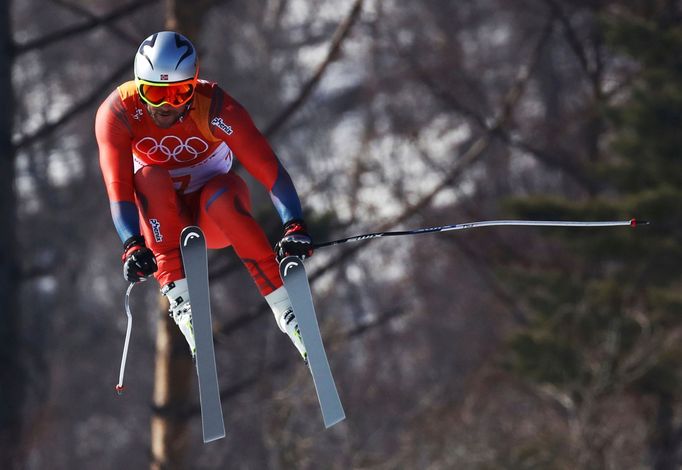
{"type": "Point", "coordinates": [90, 24]}
{"type": "Point", "coordinates": [77, 108]}
{"type": "Point", "coordinates": [339, 36]}
{"type": "Point", "coordinates": [79, 10]}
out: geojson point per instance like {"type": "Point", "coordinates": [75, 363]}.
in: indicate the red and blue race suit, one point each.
{"type": "Point", "coordinates": [161, 180]}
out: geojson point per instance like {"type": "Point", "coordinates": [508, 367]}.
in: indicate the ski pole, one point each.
{"type": "Point", "coordinates": [485, 223]}
{"type": "Point", "coordinates": [119, 386]}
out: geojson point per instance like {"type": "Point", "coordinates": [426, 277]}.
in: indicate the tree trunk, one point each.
{"type": "Point", "coordinates": [664, 446]}
{"type": "Point", "coordinates": [12, 380]}
{"type": "Point", "coordinates": [172, 386]}
{"type": "Point", "coordinates": [173, 375]}
{"type": "Point", "coordinates": [186, 17]}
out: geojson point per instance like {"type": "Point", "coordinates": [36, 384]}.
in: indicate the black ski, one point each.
{"type": "Point", "coordinates": [296, 282]}
{"type": "Point", "coordinates": [195, 261]}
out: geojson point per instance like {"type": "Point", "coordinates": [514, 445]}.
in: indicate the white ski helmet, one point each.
{"type": "Point", "coordinates": [165, 59]}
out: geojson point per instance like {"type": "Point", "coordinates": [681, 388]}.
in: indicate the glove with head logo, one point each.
{"type": "Point", "coordinates": [295, 242]}
{"type": "Point", "coordinates": [138, 260]}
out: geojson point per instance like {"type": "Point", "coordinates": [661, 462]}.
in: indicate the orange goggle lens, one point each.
{"type": "Point", "coordinates": [175, 95]}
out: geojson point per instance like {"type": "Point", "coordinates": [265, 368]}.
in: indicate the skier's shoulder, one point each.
{"type": "Point", "coordinates": [116, 100]}
{"type": "Point", "coordinates": [112, 113]}
{"type": "Point", "coordinates": [124, 101]}
{"type": "Point", "coordinates": [221, 101]}
{"type": "Point", "coordinates": [127, 91]}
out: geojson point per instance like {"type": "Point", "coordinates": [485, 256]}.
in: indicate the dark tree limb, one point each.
{"type": "Point", "coordinates": [84, 104]}
{"type": "Point", "coordinates": [87, 25]}
{"type": "Point", "coordinates": [339, 36]}
{"type": "Point", "coordinates": [13, 378]}
{"type": "Point", "coordinates": [85, 13]}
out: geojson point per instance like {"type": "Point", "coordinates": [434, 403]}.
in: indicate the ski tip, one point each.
{"type": "Point", "coordinates": [288, 263]}
{"type": "Point", "coordinates": [635, 222]}
{"type": "Point", "coordinates": [189, 233]}
{"type": "Point", "coordinates": [119, 389]}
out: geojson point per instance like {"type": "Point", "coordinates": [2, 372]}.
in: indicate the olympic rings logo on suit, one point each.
{"type": "Point", "coordinates": [172, 146]}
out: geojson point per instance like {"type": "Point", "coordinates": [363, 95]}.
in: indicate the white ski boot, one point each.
{"type": "Point", "coordinates": [280, 304]}
{"type": "Point", "coordinates": [181, 311]}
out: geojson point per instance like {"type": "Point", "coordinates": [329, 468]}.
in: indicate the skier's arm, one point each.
{"type": "Point", "coordinates": [116, 162]}
{"type": "Point", "coordinates": [232, 123]}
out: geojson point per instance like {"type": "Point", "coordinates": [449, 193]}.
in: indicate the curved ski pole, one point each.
{"type": "Point", "coordinates": [119, 386]}
{"type": "Point", "coordinates": [485, 223]}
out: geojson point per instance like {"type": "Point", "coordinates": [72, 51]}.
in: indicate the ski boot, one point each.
{"type": "Point", "coordinates": [280, 304]}
{"type": "Point", "coordinates": [181, 311]}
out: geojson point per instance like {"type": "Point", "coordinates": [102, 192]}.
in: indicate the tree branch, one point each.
{"type": "Point", "coordinates": [471, 156]}
{"type": "Point", "coordinates": [571, 37]}
{"type": "Point", "coordinates": [92, 23]}
{"type": "Point", "coordinates": [550, 160]}
{"type": "Point", "coordinates": [79, 10]}
{"type": "Point", "coordinates": [77, 108]}
{"type": "Point", "coordinates": [339, 36]}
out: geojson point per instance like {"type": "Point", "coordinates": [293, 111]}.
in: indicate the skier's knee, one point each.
{"type": "Point", "coordinates": [151, 176]}
{"type": "Point", "coordinates": [231, 189]}
{"type": "Point", "coordinates": [152, 171]}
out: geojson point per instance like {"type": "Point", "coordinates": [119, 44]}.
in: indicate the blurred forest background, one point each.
{"type": "Point", "coordinates": [515, 348]}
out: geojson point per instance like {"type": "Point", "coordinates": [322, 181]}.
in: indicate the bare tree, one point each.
{"type": "Point", "coordinates": [174, 368]}
{"type": "Point", "coordinates": [12, 377]}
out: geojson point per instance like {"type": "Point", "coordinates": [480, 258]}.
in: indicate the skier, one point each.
{"type": "Point", "coordinates": [166, 144]}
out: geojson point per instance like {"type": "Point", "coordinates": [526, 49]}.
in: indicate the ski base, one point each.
{"type": "Point", "coordinates": [195, 261]}
{"type": "Point", "coordinates": [296, 282]}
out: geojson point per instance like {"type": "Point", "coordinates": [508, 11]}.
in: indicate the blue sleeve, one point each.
{"type": "Point", "coordinates": [126, 219]}
{"type": "Point", "coordinates": [285, 198]}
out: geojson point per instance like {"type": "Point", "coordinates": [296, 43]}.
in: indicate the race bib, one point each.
{"type": "Point", "coordinates": [191, 178]}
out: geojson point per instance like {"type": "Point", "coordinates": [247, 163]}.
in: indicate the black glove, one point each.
{"type": "Point", "coordinates": [294, 242]}
{"type": "Point", "coordinates": [138, 260]}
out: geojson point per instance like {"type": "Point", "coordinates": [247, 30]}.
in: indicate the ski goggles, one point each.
{"type": "Point", "coordinates": [174, 94]}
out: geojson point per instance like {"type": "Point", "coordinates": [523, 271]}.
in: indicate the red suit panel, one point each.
{"type": "Point", "coordinates": [181, 176]}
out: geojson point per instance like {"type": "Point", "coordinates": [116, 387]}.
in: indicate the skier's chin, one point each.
{"type": "Point", "coordinates": [165, 118]}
